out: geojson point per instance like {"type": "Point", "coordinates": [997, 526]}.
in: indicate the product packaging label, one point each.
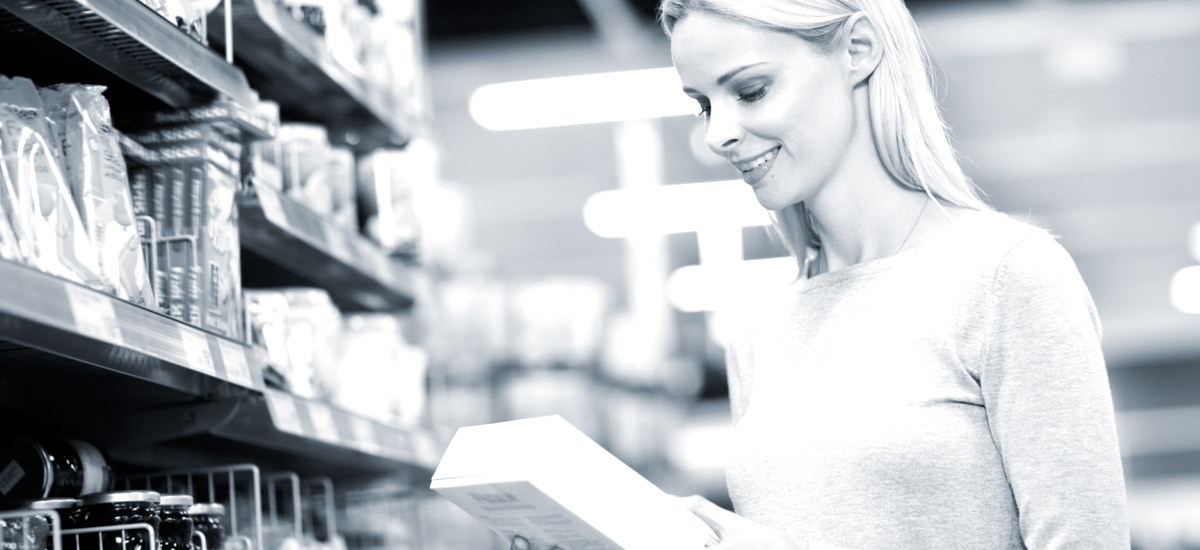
{"type": "Point", "coordinates": [10, 476]}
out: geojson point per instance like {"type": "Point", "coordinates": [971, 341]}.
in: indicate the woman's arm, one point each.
{"type": "Point", "coordinates": [1048, 402]}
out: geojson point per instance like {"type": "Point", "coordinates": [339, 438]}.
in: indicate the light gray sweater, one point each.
{"type": "Point", "coordinates": [951, 396]}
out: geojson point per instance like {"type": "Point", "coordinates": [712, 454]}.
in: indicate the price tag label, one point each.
{"type": "Point", "coordinates": [364, 433]}
{"type": "Point", "coordinates": [283, 411]}
{"type": "Point", "coordinates": [236, 367]}
{"type": "Point", "coordinates": [199, 357]}
{"type": "Point", "coordinates": [272, 206]}
{"type": "Point", "coordinates": [94, 314]}
{"type": "Point", "coordinates": [322, 420]}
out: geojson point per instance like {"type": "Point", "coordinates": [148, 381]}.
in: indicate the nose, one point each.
{"type": "Point", "coordinates": [721, 131]}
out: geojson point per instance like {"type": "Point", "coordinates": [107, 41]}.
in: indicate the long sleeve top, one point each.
{"type": "Point", "coordinates": [951, 396]}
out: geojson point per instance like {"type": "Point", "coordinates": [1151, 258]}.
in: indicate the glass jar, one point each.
{"type": "Point", "coordinates": [118, 508]}
{"type": "Point", "coordinates": [208, 519]}
{"type": "Point", "coordinates": [49, 468]}
{"type": "Point", "coordinates": [175, 525]}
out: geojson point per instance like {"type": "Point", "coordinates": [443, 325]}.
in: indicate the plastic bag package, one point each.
{"type": "Point", "coordinates": [47, 226]}
{"type": "Point", "coordinates": [99, 182]}
{"type": "Point", "coordinates": [9, 248]}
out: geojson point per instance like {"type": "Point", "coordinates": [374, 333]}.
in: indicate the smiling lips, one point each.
{"type": "Point", "coordinates": [755, 168]}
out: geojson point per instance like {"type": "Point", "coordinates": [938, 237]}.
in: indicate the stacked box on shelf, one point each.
{"type": "Point", "coordinates": [189, 190]}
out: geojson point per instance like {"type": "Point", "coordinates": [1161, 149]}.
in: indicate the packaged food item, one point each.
{"type": "Point", "coordinates": [175, 522]}
{"type": "Point", "coordinates": [566, 490]}
{"type": "Point", "coordinates": [136, 153]}
{"type": "Point", "coordinates": [100, 184]}
{"type": "Point", "coordinates": [305, 161]}
{"type": "Point", "coordinates": [118, 508]}
{"type": "Point", "coordinates": [226, 114]}
{"type": "Point", "coordinates": [202, 260]}
{"type": "Point", "coordinates": [343, 181]}
{"type": "Point", "coordinates": [301, 330]}
{"type": "Point", "coordinates": [9, 247]}
{"type": "Point", "coordinates": [208, 519]}
{"type": "Point", "coordinates": [386, 179]}
{"type": "Point", "coordinates": [380, 375]}
{"type": "Point", "coordinates": [184, 15]}
{"type": "Point", "coordinates": [309, 12]}
{"type": "Point", "coordinates": [266, 318]}
{"type": "Point", "coordinates": [36, 197]}
{"type": "Point", "coordinates": [50, 468]}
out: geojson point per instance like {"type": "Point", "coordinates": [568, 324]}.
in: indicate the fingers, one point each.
{"type": "Point", "coordinates": [519, 543]}
{"type": "Point", "coordinates": [716, 517]}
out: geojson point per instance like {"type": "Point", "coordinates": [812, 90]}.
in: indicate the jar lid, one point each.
{"type": "Point", "coordinates": [207, 509]}
{"type": "Point", "coordinates": [120, 496]}
{"type": "Point", "coordinates": [176, 500]}
{"type": "Point", "coordinates": [52, 504]}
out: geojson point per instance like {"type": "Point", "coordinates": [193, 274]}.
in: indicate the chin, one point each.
{"type": "Point", "coordinates": [773, 201]}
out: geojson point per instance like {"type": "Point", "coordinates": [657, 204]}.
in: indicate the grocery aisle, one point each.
{"type": "Point", "coordinates": [270, 255]}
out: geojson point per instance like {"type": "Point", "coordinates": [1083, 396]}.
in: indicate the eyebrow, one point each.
{"type": "Point", "coordinates": [725, 77]}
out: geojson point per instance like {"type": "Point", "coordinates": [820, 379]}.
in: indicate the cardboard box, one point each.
{"type": "Point", "coordinates": [546, 481]}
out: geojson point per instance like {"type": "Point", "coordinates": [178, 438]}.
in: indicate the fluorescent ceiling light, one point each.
{"type": "Point", "coordinates": [715, 287]}
{"type": "Point", "coordinates": [583, 99]}
{"type": "Point", "coordinates": [680, 208]}
{"type": "Point", "coordinates": [1185, 289]}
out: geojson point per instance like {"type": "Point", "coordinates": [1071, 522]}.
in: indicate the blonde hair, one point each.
{"type": "Point", "coordinates": [906, 125]}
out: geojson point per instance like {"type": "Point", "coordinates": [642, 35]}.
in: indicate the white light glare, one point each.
{"type": "Point", "coordinates": [716, 287]}
{"type": "Point", "coordinates": [681, 208]}
{"type": "Point", "coordinates": [1185, 290]}
{"type": "Point", "coordinates": [583, 99]}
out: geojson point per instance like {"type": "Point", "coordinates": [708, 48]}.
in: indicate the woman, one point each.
{"type": "Point", "coordinates": [933, 379]}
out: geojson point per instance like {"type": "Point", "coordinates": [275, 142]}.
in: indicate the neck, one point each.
{"type": "Point", "coordinates": [862, 213]}
{"type": "Point", "coordinates": [866, 224]}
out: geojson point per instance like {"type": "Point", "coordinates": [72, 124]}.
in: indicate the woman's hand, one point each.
{"type": "Point", "coordinates": [737, 532]}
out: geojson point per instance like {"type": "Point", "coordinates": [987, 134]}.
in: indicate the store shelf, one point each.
{"type": "Point", "coordinates": [277, 431]}
{"type": "Point", "coordinates": [46, 320]}
{"type": "Point", "coordinates": [358, 275]}
{"type": "Point", "coordinates": [316, 424]}
{"type": "Point", "coordinates": [152, 385]}
{"type": "Point", "coordinates": [123, 37]}
{"type": "Point", "coordinates": [288, 63]}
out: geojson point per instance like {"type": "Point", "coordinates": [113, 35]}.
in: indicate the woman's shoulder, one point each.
{"type": "Point", "coordinates": [1007, 246]}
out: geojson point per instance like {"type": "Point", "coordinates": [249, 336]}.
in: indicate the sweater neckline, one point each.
{"type": "Point", "coordinates": [878, 265]}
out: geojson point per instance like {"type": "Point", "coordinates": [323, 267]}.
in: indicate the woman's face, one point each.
{"type": "Point", "coordinates": [779, 110]}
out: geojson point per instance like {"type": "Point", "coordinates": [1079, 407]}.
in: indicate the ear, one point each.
{"type": "Point", "coordinates": [863, 45]}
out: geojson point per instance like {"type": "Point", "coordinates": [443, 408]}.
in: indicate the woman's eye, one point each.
{"type": "Point", "coordinates": [752, 95]}
{"type": "Point", "coordinates": [704, 110]}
